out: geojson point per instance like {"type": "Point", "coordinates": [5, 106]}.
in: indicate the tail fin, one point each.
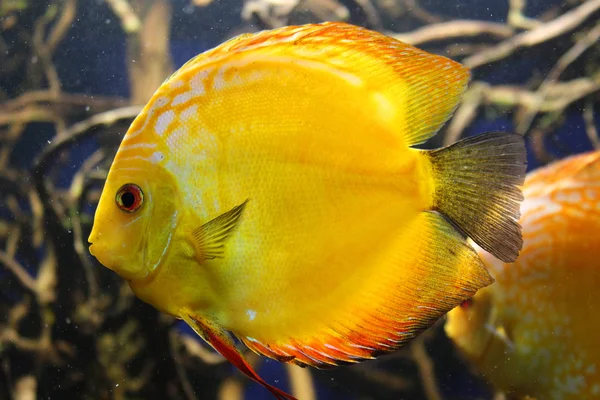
{"type": "Point", "coordinates": [477, 188]}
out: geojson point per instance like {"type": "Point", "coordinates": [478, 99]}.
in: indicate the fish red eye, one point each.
{"type": "Point", "coordinates": [130, 197]}
{"type": "Point", "coordinates": [466, 304]}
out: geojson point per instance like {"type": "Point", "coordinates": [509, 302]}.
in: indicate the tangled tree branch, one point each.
{"type": "Point", "coordinates": [542, 33]}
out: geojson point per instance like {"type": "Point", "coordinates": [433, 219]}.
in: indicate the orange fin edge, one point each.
{"type": "Point", "coordinates": [222, 343]}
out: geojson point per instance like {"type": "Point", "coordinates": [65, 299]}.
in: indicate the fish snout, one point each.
{"type": "Point", "coordinates": [94, 237]}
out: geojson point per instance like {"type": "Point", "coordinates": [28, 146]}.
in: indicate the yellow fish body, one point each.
{"type": "Point", "coordinates": [269, 189]}
{"type": "Point", "coordinates": [534, 332]}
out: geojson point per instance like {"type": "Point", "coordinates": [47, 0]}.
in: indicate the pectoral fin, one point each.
{"type": "Point", "coordinates": [220, 340]}
{"type": "Point", "coordinates": [209, 239]}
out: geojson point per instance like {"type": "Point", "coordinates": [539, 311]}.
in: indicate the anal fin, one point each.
{"type": "Point", "coordinates": [220, 340]}
{"type": "Point", "coordinates": [428, 270]}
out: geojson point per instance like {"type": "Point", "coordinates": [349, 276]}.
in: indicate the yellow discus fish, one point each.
{"type": "Point", "coordinates": [535, 331]}
{"type": "Point", "coordinates": [270, 189]}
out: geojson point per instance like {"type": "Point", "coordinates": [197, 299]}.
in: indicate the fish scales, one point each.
{"type": "Point", "coordinates": [269, 189]}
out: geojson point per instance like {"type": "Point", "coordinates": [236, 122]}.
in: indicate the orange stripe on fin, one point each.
{"type": "Point", "coordinates": [434, 271]}
{"type": "Point", "coordinates": [221, 342]}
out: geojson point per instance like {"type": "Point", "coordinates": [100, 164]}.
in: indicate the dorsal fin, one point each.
{"type": "Point", "coordinates": [424, 86]}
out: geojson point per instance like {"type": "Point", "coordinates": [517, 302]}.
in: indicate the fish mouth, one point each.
{"type": "Point", "coordinates": [93, 236]}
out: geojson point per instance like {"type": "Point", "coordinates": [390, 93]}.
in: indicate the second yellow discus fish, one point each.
{"type": "Point", "coordinates": [270, 189]}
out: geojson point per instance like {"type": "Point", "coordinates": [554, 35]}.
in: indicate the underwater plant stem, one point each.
{"type": "Point", "coordinates": [194, 348]}
{"type": "Point", "coordinates": [373, 16]}
{"type": "Point", "coordinates": [465, 113]}
{"type": "Point", "coordinates": [25, 388]}
{"type": "Point", "coordinates": [75, 204]}
{"type": "Point", "coordinates": [558, 96]}
{"type": "Point", "coordinates": [561, 25]}
{"type": "Point", "coordinates": [37, 211]}
{"type": "Point", "coordinates": [584, 43]}
{"type": "Point", "coordinates": [420, 13]}
{"type": "Point", "coordinates": [590, 123]}
{"type": "Point", "coordinates": [231, 389]}
{"type": "Point", "coordinates": [47, 279]}
{"type": "Point", "coordinates": [27, 115]}
{"type": "Point", "coordinates": [19, 272]}
{"type": "Point", "coordinates": [188, 390]}
{"type": "Point", "coordinates": [43, 52]}
{"type": "Point", "coordinates": [129, 19]}
{"type": "Point", "coordinates": [80, 130]}
{"type": "Point", "coordinates": [149, 58]}
{"type": "Point", "coordinates": [517, 18]}
{"type": "Point", "coordinates": [301, 382]}
{"type": "Point", "coordinates": [61, 27]}
{"type": "Point", "coordinates": [64, 139]}
{"type": "Point", "coordinates": [426, 369]}
{"type": "Point", "coordinates": [66, 101]}
{"type": "Point", "coordinates": [453, 29]}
